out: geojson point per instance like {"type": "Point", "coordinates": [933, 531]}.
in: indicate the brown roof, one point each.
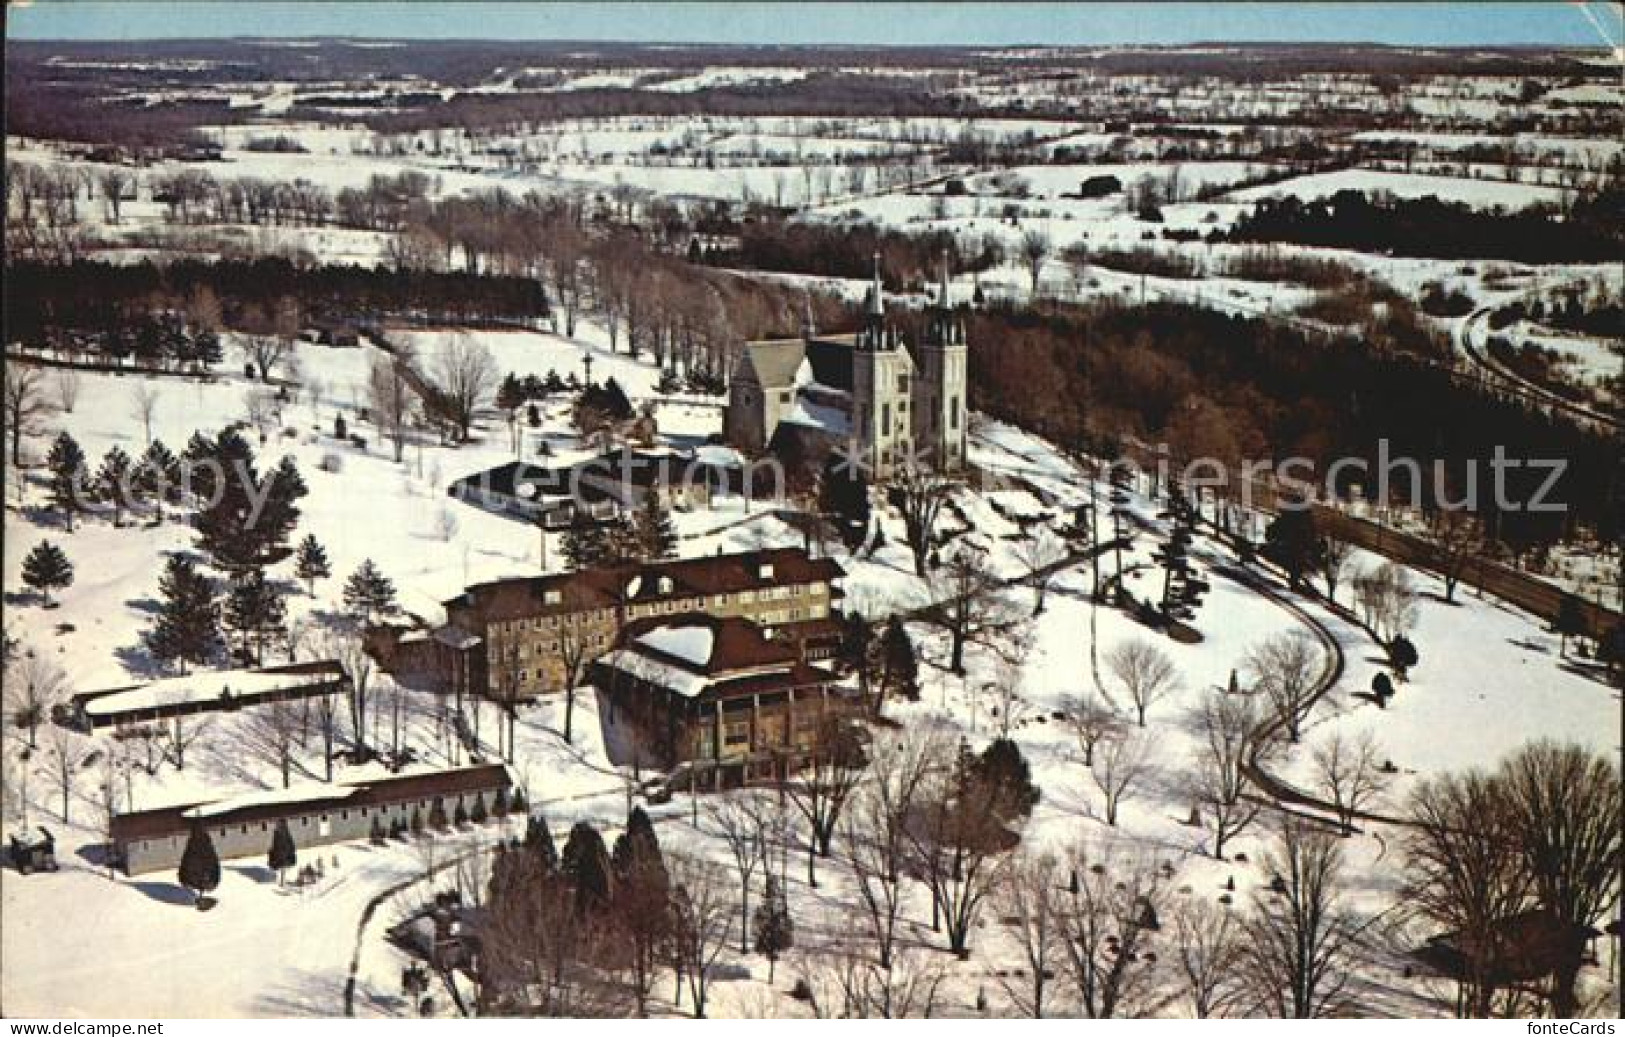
{"type": "Point", "coordinates": [608, 586]}
{"type": "Point", "coordinates": [172, 820]}
{"type": "Point", "coordinates": [743, 660]}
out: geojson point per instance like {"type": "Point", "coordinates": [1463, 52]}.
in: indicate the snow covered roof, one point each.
{"type": "Point", "coordinates": [209, 687]}
{"type": "Point", "coordinates": [691, 643]}
{"type": "Point", "coordinates": [272, 797]}
{"type": "Point", "coordinates": [831, 420]}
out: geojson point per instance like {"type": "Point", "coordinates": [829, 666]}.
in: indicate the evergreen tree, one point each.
{"type": "Point", "coordinates": [256, 611]}
{"type": "Point", "coordinates": [511, 393]}
{"type": "Point", "coordinates": [459, 817]}
{"type": "Point", "coordinates": [1570, 622]}
{"type": "Point", "coordinates": [187, 628]}
{"type": "Point", "coordinates": [518, 804]}
{"type": "Point", "coordinates": [113, 483]}
{"type": "Point", "coordinates": [585, 544]}
{"type": "Point", "coordinates": [656, 534]}
{"type": "Point", "coordinates": [843, 497]}
{"type": "Point", "coordinates": [46, 568]}
{"type": "Point", "coordinates": [158, 475]}
{"type": "Point", "coordinates": [1402, 655]}
{"type": "Point", "coordinates": [621, 543]}
{"type": "Point", "coordinates": [200, 864]}
{"type": "Point", "coordinates": [499, 803]}
{"type": "Point", "coordinates": [283, 854]}
{"type": "Point", "coordinates": [900, 664]}
{"type": "Point", "coordinates": [538, 837]}
{"type": "Point", "coordinates": [1291, 543]}
{"type": "Point", "coordinates": [281, 513]}
{"type": "Point", "coordinates": [1003, 767]}
{"type": "Point", "coordinates": [310, 562]}
{"type": "Point", "coordinates": [376, 836]}
{"type": "Point", "coordinates": [479, 815]}
{"type": "Point", "coordinates": [637, 852]}
{"type": "Point", "coordinates": [585, 864]}
{"type": "Point", "coordinates": [369, 592]}
{"type": "Point", "coordinates": [775, 932]}
{"type": "Point", "coordinates": [66, 463]}
{"type": "Point", "coordinates": [437, 816]}
{"type": "Point", "coordinates": [415, 826]}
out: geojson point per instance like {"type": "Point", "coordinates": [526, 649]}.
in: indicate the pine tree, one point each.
{"type": "Point", "coordinates": [157, 475]}
{"type": "Point", "coordinates": [1291, 543]}
{"type": "Point", "coordinates": [376, 836]}
{"type": "Point", "coordinates": [437, 816]}
{"type": "Point", "coordinates": [621, 543]}
{"type": "Point", "coordinates": [459, 817]}
{"type": "Point", "coordinates": [281, 514]}
{"type": "Point", "coordinates": [1570, 622]}
{"type": "Point", "coordinates": [585, 545]}
{"type": "Point", "coordinates": [311, 563]}
{"type": "Point", "coordinates": [113, 482]}
{"type": "Point", "coordinates": [511, 393]}
{"type": "Point", "coordinates": [585, 864]}
{"type": "Point", "coordinates": [187, 628]}
{"type": "Point", "coordinates": [518, 804]}
{"type": "Point", "coordinates": [369, 592]}
{"type": "Point", "coordinates": [46, 568]}
{"type": "Point", "coordinates": [655, 531]}
{"type": "Point", "coordinates": [1003, 767]}
{"type": "Point", "coordinates": [255, 610]}
{"type": "Point", "coordinates": [200, 864]}
{"type": "Point", "coordinates": [639, 853]}
{"type": "Point", "coordinates": [283, 854]}
{"type": "Point", "coordinates": [66, 462]}
{"type": "Point", "coordinates": [900, 663]}
{"type": "Point", "coordinates": [538, 837]}
{"type": "Point", "coordinates": [499, 803]}
{"type": "Point", "coordinates": [479, 815]}
{"type": "Point", "coordinates": [775, 932]}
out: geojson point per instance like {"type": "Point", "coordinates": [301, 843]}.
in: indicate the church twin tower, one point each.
{"type": "Point", "coordinates": [901, 408]}
{"type": "Point", "coordinates": [864, 394]}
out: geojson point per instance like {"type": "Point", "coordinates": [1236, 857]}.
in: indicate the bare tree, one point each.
{"type": "Point", "coordinates": [390, 394]}
{"type": "Point", "coordinates": [957, 840]}
{"type": "Point", "coordinates": [67, 383]}
{"type": "Point", "coordinates": [34, 686]}
{"type": "Point", "coordinates": [1566, 808]}
{"type": "Point", "coordinates": [1110, 910]}
{"type": "Point", "coordinates": [1303, 942]}
{"type": "Point", "coordinates": [26, 405]}
{"type": "Point", "coordinates": [1030, 902]}
{"type": "Point", "coordinates": [271, 733]}
{"type": "Point", "coordinates": [113, 183]}
{"type": "Point", "coordinates": [1039, 554]}
{"type": "Point", "coordinates": [1144, 672]}
{"type": "Point", "coordinates": [1035, 249]}
{"type": "Point", "coordinates": [1286, 669]}
{"type": "Point", "coordinates": [1120, 765]}
{"type": "Point", "coordinates": [831, 771]}
{"type": "Point", "coordinates": [1348, 773]}
{"type": "Point", "coordinates": [265, 352]}
{"type": "Point", "coordinates": [1387, 597]}
{"type": "Point", "coordinates": [921, 492]}
{"type": "Point", "coordinates": [144, 403]}
{"type": "Point", "coordinates": [573, 652]}
{"type": "Point", "coordinates": [1207, 946]}
{"type": "Point", "coordinates": [182, 734]}
{"type": "Point", "coordinates": [1231, 728]}
{"type": "Point", "coordinates": [740, 820]}
{"type": "Point", "coordinates": [702, 918]}
{"type": "Point", "coordinates": [875, 827]}
{"type": "Point", "coordinates": [464, 375]}
{"type": "Point", "coordinates": [343, 643]}
{"type": "Point", "coordinates": [63, 753]}
{"type": "Point", "coordinates": [1458, 538]}
{"type": "Point", "coordinates": [1464, 874]}
{"type": "Point", "coordinates": [1333, 559]}
{"type": "Point", "coordinates": [970, 604]}
{"type": "Point", "coordinates": [1091, 721]}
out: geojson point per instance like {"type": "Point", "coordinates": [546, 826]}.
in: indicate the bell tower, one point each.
{"type": "Point", "coordinates": [939, 415]}
{"type": "Point", "coordinates": [882, 390]}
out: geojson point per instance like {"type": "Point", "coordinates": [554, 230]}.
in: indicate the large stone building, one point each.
{"type": "Point", "coordinates": [316, 815]}
{"type": "Point", "coordinates": [718, 694]}
{"type": "Point", "coordinates": [868, 393]}
{"type": "Point", "coordinates": [516, 638]}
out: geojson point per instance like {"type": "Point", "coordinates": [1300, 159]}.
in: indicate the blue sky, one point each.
{"type": "Point", "coordinates": [1549, 22]}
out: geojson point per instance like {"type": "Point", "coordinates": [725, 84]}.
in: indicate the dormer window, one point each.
{"type": "Point", "coordinates": [552, 597]}
{"type": "Point", "coordinates": [765, 571]}
{"type": "Point", "coordinates": [665, 585]}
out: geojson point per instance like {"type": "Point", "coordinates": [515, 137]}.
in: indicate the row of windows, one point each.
{"type": "Point", "coordinates": [322, 821]}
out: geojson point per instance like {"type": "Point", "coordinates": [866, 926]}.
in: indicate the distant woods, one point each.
{"type": "Point", "coordinates": [1235, 388]}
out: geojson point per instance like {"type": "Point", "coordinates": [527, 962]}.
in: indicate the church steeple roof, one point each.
{"type": "Point", "coordinates": [876, 301]}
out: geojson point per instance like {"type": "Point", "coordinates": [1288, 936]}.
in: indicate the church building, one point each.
{"type": "Point", "coordinates": [866, 393]}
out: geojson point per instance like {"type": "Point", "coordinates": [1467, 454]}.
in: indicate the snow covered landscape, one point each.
{"type": "Point", "coordinates": [504, 528]}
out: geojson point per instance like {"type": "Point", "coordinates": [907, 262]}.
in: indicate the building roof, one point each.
{"type": "Point", "coordinates": [613, 585]}
{"type": "Point", "coordinates": [279, 804]}
{"type": "Point", "coordinates": [698, 655]}
{"type": "Point", "coordinates": [772, 363]}
{"type": "Point", "coordinates": [213, 686]}
{"type": "Point", "coordinates": [537, 481]}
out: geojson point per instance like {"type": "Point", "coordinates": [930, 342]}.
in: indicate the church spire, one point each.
{"type": "Point", "coordinates": [877, 305]}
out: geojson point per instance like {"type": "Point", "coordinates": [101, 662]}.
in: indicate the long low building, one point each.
{"type": "Point", "coordinates": [207, 691]}
{"type": "Point", "coordinates": [316, 814]}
